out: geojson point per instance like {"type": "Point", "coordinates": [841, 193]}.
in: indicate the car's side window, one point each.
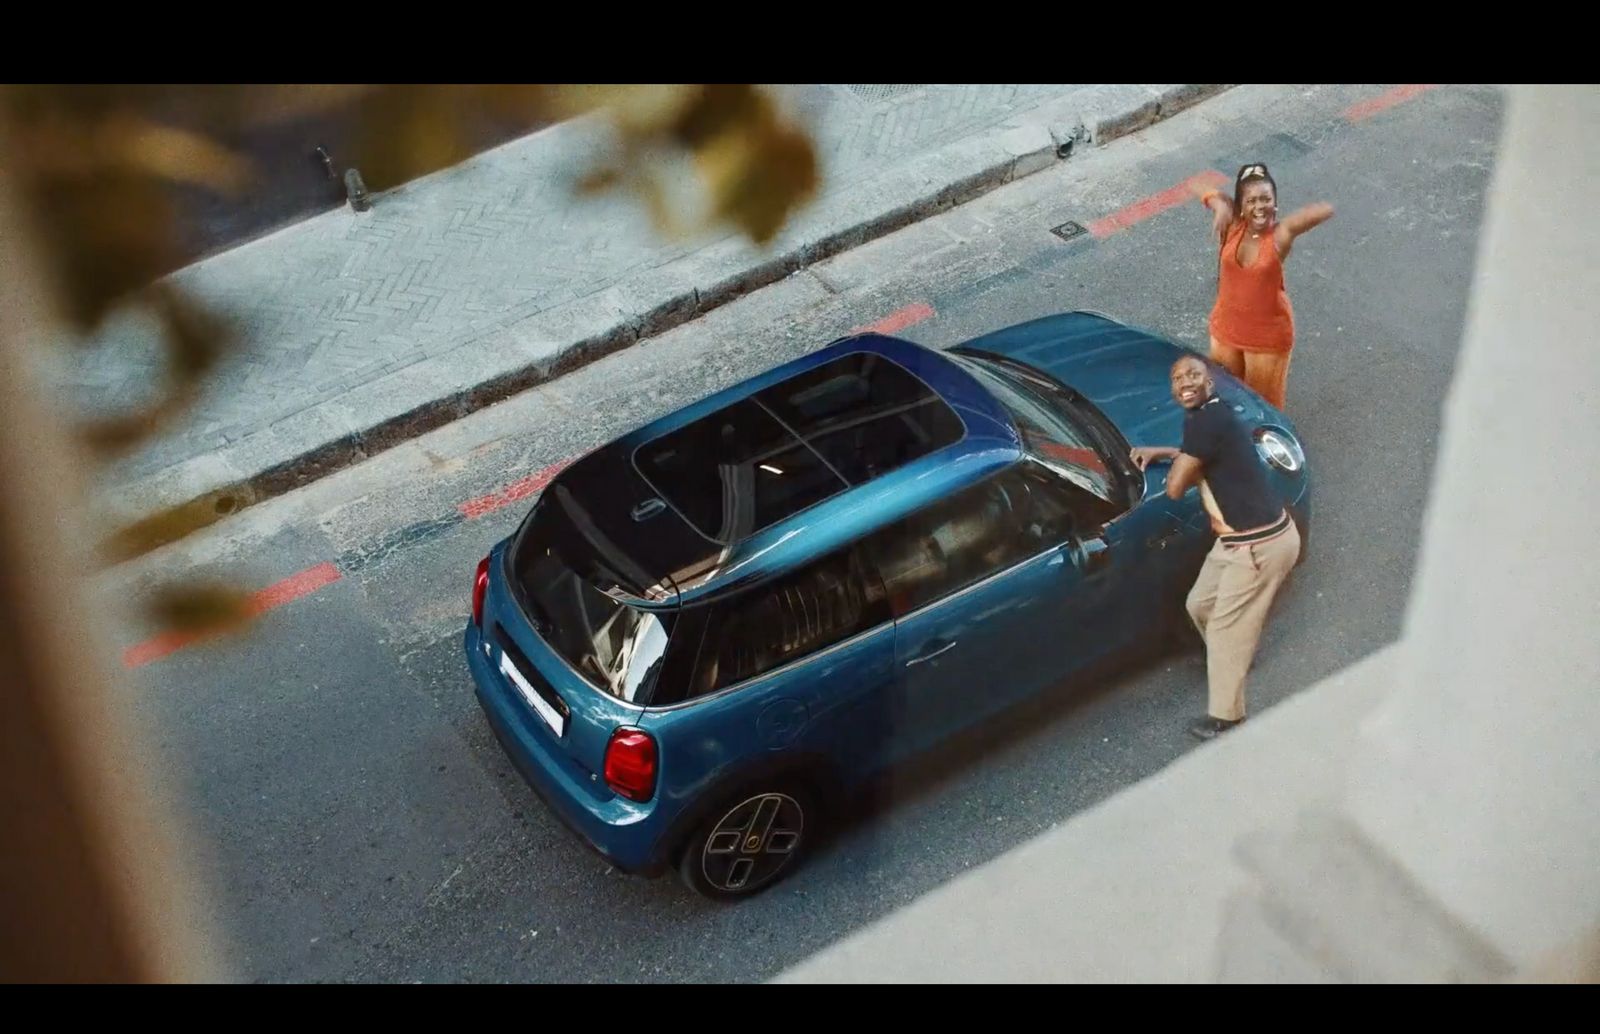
{"type": "Point", "coordinates": [1063, 506]}
{"type": "Point", "coordinates": [774, 624]}
{"type": "Point", "coordinates": [984, 529]}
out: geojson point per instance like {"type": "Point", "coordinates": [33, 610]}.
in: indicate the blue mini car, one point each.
{"type": "Point", "coordinates": [710, 630]}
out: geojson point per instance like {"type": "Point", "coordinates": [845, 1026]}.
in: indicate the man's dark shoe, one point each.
{"type": "Point", "coordinates": [1209, 728]}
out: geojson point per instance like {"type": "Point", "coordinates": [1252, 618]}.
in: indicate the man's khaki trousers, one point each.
{"type": "Point", "coordinates": [1229, 605]}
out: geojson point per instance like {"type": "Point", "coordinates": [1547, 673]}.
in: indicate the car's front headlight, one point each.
{"type": "Point", "coordinates": [1280, 450]}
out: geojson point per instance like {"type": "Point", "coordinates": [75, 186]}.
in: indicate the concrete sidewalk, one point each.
{"type": "Point", "coordinates": [457, 290]}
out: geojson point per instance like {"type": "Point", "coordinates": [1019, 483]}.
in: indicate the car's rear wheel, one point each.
{"type": "Point", "coordinates": [750, 842]}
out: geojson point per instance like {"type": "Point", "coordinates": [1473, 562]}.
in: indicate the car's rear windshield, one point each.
{"type": "Point", "coordinates": [616, 647]}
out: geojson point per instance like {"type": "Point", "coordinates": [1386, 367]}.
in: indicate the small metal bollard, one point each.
{"type": "Point", "coordinates": [356, 190]}
{"type": "Point", "coordinates": [325, 162]}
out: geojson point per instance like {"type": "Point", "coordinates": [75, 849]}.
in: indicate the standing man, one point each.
{"type": "Point", "coordinates": [1242, 573]}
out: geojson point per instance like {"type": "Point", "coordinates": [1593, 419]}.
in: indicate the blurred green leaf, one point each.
{"type": "Point", "coordinates": [201, 608]}
{"type": "Point", "coordinates": [96, 163]}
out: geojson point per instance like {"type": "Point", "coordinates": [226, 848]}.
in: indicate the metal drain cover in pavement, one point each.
{"type": "Point", "coordinates": [1067, 231]}
{"type": "Point", "coordinates": [873, 93]}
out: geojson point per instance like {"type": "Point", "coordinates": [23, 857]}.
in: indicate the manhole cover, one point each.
{"type": "Point", "coordinates": [874, 93]}
{"type": "Point", "coordinates": [1067, 231]}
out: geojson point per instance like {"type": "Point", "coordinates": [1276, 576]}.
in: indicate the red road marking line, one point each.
{"type": "Point", "coordinates": [1386, 100]}
{"type": "Point", "coordinates": [294, 587]}
{"type": "Point", "coordinates": [273, 596]}
{"type": "Point", "coordinates": [900, 319]}
{"type": "Point", "coordinates": [519, 489]}
{"type": "Point", "coordinates": [1155, 204]}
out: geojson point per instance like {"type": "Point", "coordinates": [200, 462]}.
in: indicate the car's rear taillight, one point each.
{"type": "Point", "coordinates": [480, 588]}
{"type": "Point", "coordinates": [631, 764]}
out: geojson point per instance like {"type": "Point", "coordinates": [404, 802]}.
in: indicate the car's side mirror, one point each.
{"type": "Point", "coordinates": [1094, 554]}
{"type": "Point", "coordinates": [1088, 555]}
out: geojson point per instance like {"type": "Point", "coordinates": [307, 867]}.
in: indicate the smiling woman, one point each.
{"type": "Point", "coordinates": [1252, 323]}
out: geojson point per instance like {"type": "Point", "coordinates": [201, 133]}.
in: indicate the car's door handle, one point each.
{"type": "Point", "coordinates": [1165, 538]}
{"type": "Point", "coordinates": [930, 656]}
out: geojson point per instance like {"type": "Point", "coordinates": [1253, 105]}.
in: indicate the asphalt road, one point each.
{"type": "Point", "coordinates": [356, 820]}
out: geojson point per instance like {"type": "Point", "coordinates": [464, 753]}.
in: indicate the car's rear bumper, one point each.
{"type": "Point", "coordinates": [618, 831]}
